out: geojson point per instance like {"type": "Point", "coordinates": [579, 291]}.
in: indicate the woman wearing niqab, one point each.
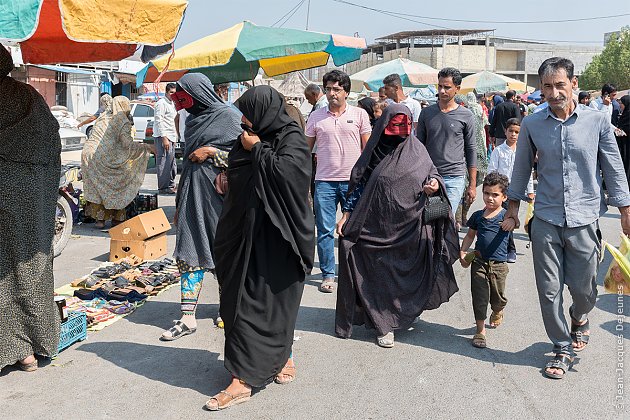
{"type": "Point", "coordinates": [264, 246]}
{"type": "Point", "coordinates": [392, 266]}
{"type": "Point", "coordinates": [30, 165]}
{"type": "Point", "coordinates": [212, 127]}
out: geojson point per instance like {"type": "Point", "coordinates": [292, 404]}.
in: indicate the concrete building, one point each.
{"type": "Point", "coordinates": [471, 51]}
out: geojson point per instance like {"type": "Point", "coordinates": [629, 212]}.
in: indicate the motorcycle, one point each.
{"type": "Point", "coordinates": [67, 208]}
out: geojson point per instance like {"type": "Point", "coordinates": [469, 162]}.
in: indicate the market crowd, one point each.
{"type": "Point", "coordinates": [260, 190]}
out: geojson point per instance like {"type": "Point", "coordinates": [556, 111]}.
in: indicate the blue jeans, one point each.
{"type": "Point", "coordinates": [455, 186]}
{"type": "Point", "coordinates": [328, 194]}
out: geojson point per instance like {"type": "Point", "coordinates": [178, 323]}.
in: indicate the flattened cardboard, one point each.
{"type": "Point", "coordinates": [141, 227]}
{"type": "Point", "coordinates": [149, 249]}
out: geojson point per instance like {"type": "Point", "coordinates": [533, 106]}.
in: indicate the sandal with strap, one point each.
{"type": "Point", "coordinates": [560, 361]}
{"type": "Point", "coordinates": [578, 335]}
{"type": "Point", "coordinates": [386, 341]}
{"type": "Point", "coordinates": [496, 319]}
{"type": "Point", "coordinates": [479, 341]}
{"type": "Point", "coordinates": [286, 375]}
{"type": "Point", "coordinates": [225, 399]}
{"type": "Point", "coordinates": [177, 331]}
{"type": "Point", "coordinates": [327, 285]}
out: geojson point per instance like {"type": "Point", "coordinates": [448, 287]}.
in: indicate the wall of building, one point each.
{"type": "Point", "coordinates": [83, 94]}
{"type": "Point", "coordinates": [44, 82]}
{"type": "Point", "coordinates": [519, 60]}
{"type": "Point", "coordinates": [507, 61]}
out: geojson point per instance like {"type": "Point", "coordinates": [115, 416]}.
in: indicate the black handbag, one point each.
{"type": "Point", "coordinates": [436, 207]}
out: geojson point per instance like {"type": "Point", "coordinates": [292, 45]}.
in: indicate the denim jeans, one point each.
{"type": "Point", "coordinates": [455, 186]}
{"type": "Point", "coordinates": [328, 194]}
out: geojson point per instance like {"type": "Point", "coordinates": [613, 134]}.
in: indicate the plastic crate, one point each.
{"type": "Point", "coordinates": [73, 330]}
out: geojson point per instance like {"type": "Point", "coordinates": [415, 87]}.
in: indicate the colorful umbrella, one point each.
{"type": "Point", "coordinates": [237, 53]}
{"type": "Point", "coordinates": [413, 74]}
{"type": "Point", "coordinates": [487, 81]}
{"type": "Point", "coordinates": [75, 31]}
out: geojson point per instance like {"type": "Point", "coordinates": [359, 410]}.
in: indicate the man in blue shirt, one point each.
{"type": "Point", "coordinates": [566, 241]}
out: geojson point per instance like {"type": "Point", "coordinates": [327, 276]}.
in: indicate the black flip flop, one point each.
{"type": "Point", "coordinates": [178, 331]}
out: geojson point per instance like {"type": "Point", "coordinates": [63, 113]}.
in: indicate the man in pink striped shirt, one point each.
{"type": "Point", "coordinates": [339, 131]}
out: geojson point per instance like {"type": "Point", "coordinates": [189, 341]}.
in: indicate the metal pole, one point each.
{"type": "Point", "coordinates": [308, 12]}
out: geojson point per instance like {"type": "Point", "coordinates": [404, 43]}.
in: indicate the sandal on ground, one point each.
{"type": "Point", "coordinates": [177, 331]}
{"type": "Point", "coordinates": [579, 335]}
{"type": "Point", "coordinates": [327, 286]}
{"type": "Point", "coordinates": [479, 341]}
{"type": "Point", "coordinates": [28, 367]}
{"type": "Point", "coordinates": [560, 361]}
{"type": "Point", "coordinates": [496, 319]}
{"type": "Point", "coordinates": [225, 399]}
{"type": "Point", "coordinates": [386, 341]}
{"type": "Point", "coordinates": [286, 375]}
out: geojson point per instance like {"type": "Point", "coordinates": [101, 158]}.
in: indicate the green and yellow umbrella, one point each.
{"type": "Point", "coordinates": [75, 31]}
{"type": "Point", "coordinates": [486, 81]}
{"type": "Point", "coordinates": [237, 53]}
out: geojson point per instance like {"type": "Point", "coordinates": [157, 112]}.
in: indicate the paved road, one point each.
{"type": "Point", "coordinates": [432, 372]}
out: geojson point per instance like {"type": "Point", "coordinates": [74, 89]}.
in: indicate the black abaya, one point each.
{"type": "Point", "coordinates": [392, 266]}
{"type": "Point", "coordinates": [265, 240]}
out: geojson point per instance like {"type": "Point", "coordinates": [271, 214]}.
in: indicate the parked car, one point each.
{"type": "Point", "coordinates": [142, 113]}
{"type": "Point", "coordinates": [71, 139]}
{"type": "Point", "coordinates": [148, 138]}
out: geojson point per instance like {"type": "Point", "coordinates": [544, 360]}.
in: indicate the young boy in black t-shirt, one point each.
{"type": "Point", "coordinates": [489, 267]}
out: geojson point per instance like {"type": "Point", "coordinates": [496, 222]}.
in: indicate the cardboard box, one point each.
{"type": "Point", "coordinates": [141, 227]}
{"type": "Point", "coordinates": [149, 249]}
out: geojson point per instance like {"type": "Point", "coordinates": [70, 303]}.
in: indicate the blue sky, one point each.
{"type": "Point", "coordinates": [205, 17]}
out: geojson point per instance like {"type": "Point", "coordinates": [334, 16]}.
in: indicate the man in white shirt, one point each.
{"type": "Point", "coordinates": [604, 102]}
{"type": "Point", "coordinates": [315, 97]}
{"type": "Point", "coordinates": [394, 91]}
{"type": "Point", "coordinates": [165, 135]}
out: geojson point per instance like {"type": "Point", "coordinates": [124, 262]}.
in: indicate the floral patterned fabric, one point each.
{"type": "Point", "coordinates": [112, 164]}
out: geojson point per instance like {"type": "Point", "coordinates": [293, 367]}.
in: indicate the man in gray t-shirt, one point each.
{"type": "Point", "coordinates": [447, 130]}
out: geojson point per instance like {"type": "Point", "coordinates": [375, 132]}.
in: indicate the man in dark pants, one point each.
{"type": "Point", "coordinates": [165, 135]}
{"type": "Point", "coordinates": [503, 112]}
{"type": "Point", "coordinates": [566, 241]}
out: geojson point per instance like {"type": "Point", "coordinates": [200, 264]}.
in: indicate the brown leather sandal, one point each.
{"type": "Point", "coordinates": [496, 319]}
{"type": "Point", "coordinates": [479, 341]}
{"type": "Point", "coordinates": [286, 375]}
{"type": "Point", "coordinates": [224, 399]}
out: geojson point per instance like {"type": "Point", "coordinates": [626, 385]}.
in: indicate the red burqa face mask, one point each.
{"type": "Point", "coordinates": [400, 125]}
{"type": "Point", "coordinates": [182, 100]}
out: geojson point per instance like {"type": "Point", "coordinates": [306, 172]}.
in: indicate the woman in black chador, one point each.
{"type": "Point", "coordinates": [264, 246]}
{"type": "Point", "coordinates": [392, 265]}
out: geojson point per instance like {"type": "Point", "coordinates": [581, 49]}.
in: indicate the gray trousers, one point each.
{"type": "Point", "coordinates": [166, 165]}
{"type": "Point", "coordinates": [562, 256]}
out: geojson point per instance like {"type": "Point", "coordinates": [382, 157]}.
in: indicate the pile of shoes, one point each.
{"type": "Point", "coordinates": [124, 282]}
{"type": "Point", "coordinates": [100, 310]}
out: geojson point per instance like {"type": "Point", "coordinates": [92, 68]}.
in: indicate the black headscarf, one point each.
{"type": "Point", "coordinates": [624, 118]}
{"type": "Point", "coordinates": [281, 183]}
{"type": "Point", "coordinates": [368, 105]}
{"type": "Point", "coordinates": [6, 62]}
{"type": "Point", "coordinates": [29, 133]}
{"type": "Point", "coordinates": [212, 122]}
{"type": "Point", "coordinates": [378, 146]}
